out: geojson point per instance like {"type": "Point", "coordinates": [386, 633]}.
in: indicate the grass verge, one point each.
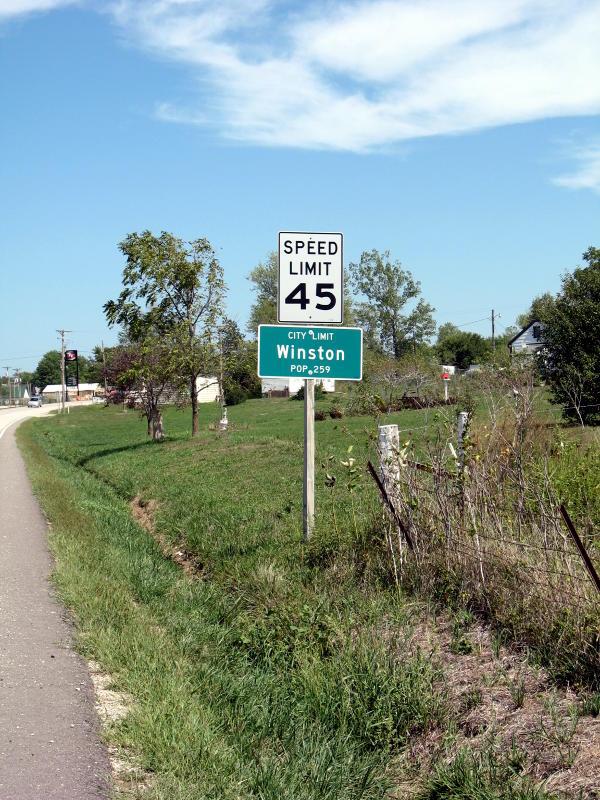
{"type": "Point", "coordinates": [267, 688]}
{"type": "Point", "coordinates": [275, 670]}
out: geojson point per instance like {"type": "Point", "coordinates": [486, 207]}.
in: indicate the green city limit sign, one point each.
{"type": "Point", "coordinates": [303, 351]}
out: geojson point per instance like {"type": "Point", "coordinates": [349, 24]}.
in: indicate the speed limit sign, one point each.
{"type": "Point", "coordinates": [311, 278]}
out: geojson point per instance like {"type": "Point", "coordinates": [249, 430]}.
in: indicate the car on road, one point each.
{"type": "Point", "coordinates": [35, 401]}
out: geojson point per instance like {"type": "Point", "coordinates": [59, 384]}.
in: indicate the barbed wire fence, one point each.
{"type": "Point", "coordinates": [486, 527]}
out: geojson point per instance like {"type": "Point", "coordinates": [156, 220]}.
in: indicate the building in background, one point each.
{"type": "Point", "coordinates": [528, 341]}
{"type": "Point", "coordinates": [285, 387]}
{"type": "Point", "coordinates": [87, 391]}
{"type": "Point", "coordinates": [207, 388]}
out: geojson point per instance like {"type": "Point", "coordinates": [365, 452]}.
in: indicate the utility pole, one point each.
{"type": "Point", "coordinates": [104, 371]}
{"type": "Point", "coordinates": [8, 383]}
{"type": "Point", "coordinates": [17, 381]}
{"type": "Point", "coordinates": [493, 333]}
{"type": "Point", "coordinates": [62, 332]}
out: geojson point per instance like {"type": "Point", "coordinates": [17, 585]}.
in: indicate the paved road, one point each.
{"type": "Point", "coordinates": [49, 743]}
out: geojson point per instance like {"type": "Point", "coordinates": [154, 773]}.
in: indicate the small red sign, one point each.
{"type": "Point", "coordinates": [445, 376]}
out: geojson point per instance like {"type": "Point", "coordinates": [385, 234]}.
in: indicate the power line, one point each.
{"type": "Point", "coordinates": [464, 324]}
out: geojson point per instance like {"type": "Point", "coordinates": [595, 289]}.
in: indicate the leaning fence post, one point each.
{"type": "Point", "coordinates": [580, 547]}
{"type": "Point", "coordinates": [463, 421]}
{"type": "Point", "coordinates": [389, 447]}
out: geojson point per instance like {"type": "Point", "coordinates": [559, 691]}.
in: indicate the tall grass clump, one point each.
{"type": "Point", "coordinates": [480, 776]}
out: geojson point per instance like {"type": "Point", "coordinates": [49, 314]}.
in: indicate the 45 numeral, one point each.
{"type": "Point", "coordinates": [298, 296]}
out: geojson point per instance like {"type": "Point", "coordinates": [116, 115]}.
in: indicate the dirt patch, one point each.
{"type": "Point", "coordinates": [144, 512]}
{"type": "Point", "coordinates": [500, 700]}
{"type": "Point", "coordinates": [128, 778]}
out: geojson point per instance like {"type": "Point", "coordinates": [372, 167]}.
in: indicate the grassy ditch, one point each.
{"type": "Point", "coordinates": [263, 668]}
{"type": "Point", "coordinates": [257, 680]}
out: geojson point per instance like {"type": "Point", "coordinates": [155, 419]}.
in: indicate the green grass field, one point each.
{"type": "Point", "coordinates": [276, 670]}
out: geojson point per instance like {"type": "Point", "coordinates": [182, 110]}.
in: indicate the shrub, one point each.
{"type": "Point", "coordinates": [234, 395]}
{"type": "Point", "coordinates": [319, 393]}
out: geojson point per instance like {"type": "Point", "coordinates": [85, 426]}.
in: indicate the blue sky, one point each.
{"type": "Point", "coordinates": [462, 136]}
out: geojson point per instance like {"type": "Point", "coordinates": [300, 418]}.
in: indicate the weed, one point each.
{"type": "Point", "coordinates": [561, 730]}
{"type": "Point", "coordinates": [590, 705]}
{"type": "Point", "coordinates": [461, 642]}
{"type": "Point", "coordinates": [472, 698]}
{"type": "Point", "coordinates": [516, 687]}
{"type": "Point", "coordinates": [480, 776]}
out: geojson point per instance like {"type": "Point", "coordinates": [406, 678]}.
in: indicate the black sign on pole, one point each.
{"type": "Point", "coordinates": [71, 358]}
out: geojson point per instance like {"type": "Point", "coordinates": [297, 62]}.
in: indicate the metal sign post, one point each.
{"type": "Point", "coordinates": [308, 483]}
{"type": "Point", "coordinates": [310, 292]}
{"type": "Point", "coordinates": [308, 352]}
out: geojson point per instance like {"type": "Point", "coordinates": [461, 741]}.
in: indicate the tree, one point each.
{"type": "Point", "coordinates": [541, 306]}
{"type": "Point", "coordinates": [462, 348]}
{"type": "Point", "coordinates": [240, 379]}
{"type": "Point", "coordinates": [388, 288]}
{"type": "Point", "coordinates": [146, 370]}
{"type": "Point", "coordinates": [571, 354]}
{"type": "Point", "coordinates": [264, 278]}
{"type": "Point", "coordinates": [419, 326]}
{"type": "Point", "coordinates": [174, 288]}
{"type": "Point", "coordinates": [48, 370]}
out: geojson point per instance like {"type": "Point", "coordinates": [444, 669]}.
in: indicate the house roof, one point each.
{"type": "Point", "coordinates": [524, 330]}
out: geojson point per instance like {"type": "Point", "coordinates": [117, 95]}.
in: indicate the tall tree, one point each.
{"type": "Point", "coordinates": [174, 288]}
{"type": "Point", "coordinates": [541, 306]}
{"type": "Point", "coordinates": [462, 348]}
{"type": "Point", "coordinates": [48, 370]}
{"type": "Point", "coordinates": [419, 326]}
{"type": "Point", "coordinates": [571, 355]}
{"type": "Point", "coordinates": [264, 279]}
{"type": "Point", "coordinates": [388, 288]}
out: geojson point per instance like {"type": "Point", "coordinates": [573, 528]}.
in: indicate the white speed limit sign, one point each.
{"type": "Point", "coordinates": [311, 278]}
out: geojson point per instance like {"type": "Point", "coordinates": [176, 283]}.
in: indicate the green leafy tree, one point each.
{"type": "Point", "coordinates": [145, 371]}
{"type": "Point", "coordinates": [539, 309]}
{"type": "Point", "coordinates": [388, 288]}
{"type": "Point", "coordinates": [419, 326]}
{"type": "Point", "coordinates": [176, 289]}
{"type": "Point", "coordinates": [48, 370]}
{"type": "Point", "coordinates": [571, 356]}
{"type": "Point", "coordinates": [240, 379]}
{"type": "Point", "coordinates": [94, 369]}
{"type": "Point", "coordinates": [264, 279]}
{"type": "Point", "coordinates": [446, 330]}
{"type": "Point", "coordinates": [462, 348]}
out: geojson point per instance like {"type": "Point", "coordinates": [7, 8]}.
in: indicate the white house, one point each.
{"type": "Point", "coordinates": [87, 391]}
{"type": "Point", "coordinates": [207, 388]}
{"type": "Point", "coordinates": [529, 340]}
{"type": "Point", "coordinates": [290, 386]}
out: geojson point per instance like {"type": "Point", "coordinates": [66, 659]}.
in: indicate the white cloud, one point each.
{"type": "Point", "coordinates": [358, 75]}
{"type": "Point", "coordinates": [587, 173]}
{"type": "Point", "coordinates": [361, 74]}
{"type": "Point", "coordinates": [15, 8]}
